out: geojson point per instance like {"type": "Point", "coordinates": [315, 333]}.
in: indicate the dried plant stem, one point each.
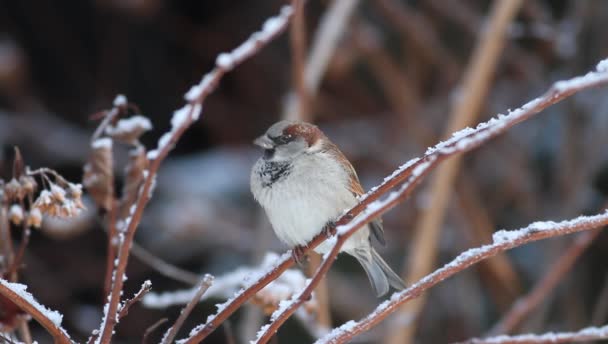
{"type": "Point", "coordinates": [321, 293]}
{"type": "Point", "coordinates": [410, 174]}
{"type": "Point", "coordinates": [59, 334]}
{"type": "Point", "coordinates": [543, 288]}
{"type": "Point", "coordinates": [152, 328]}
{"type": "Point", "coordinates": [111, 246]}
{"type": "Point", "coordinates": [477, 78]}
{"type": "Point", "coordinates": [164, 268]}
{"type": "Point", "coordinates": [191, 112]}
{"type": "Point", "coordinates": [505, 283]}
{"type": "Point", "coordinates": [584, 335]}
{"type": "Point", "coordinates": [298, 50]}
{"type": "Point", "coordinates": [534, 232]}
{"type": "Point", "coordinates": [205, 283]}
{"type": "Point", "coordinates": [324, 43]}
{"type": "Point", "coordinates": [145, 288]}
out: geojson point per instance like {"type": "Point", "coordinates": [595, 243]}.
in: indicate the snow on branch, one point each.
{"type": "Point", "coordinates": [413, 172]}
{"type": "Point", "coordinates": [409, 175]}
{"type": "Point", "coordinates": [50, 320]}
{"type": "Point", "coordinates": [584, 335]}
{"type": "Point", "coordinates": [502, 240]}
{"type": "Point", "coordinates": [181, 120]}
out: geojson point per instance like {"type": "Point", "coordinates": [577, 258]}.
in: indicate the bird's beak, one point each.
{"type": "Point", "coordinates": [264, 142]}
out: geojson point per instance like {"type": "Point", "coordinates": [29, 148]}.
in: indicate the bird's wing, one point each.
{"type": "Point", "coordinates": [356, 188]}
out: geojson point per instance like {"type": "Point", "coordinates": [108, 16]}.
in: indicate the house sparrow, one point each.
{"type": "Point", "coordinates": [304, 183]}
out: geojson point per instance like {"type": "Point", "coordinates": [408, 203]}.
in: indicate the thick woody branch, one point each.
{"type": "Point", "coordinates": [414, 171]}
{"type": "Point", "coordinates": [50, 320]}
{"type": "Point", "coordinates": [410, 174]}
{"type": "Point", "coordinates": [182, 119]}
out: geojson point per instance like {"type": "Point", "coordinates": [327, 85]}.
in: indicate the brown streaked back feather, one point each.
{"type": "Point", "coordinates": [355, 187]}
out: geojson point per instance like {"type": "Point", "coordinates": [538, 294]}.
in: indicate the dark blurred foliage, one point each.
{"type": "Point", "coordinates": [63, 61]}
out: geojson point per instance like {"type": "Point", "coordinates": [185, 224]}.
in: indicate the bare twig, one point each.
{"type": "Point", "coordinates": [586, 334]}
{"type": "Point", "coordinates": [411, 174]}
{"type": "Point", "coordinates": [324, 43]}
{"type": "Point", "coordinates": [50, 320]}
{"type": "Point", "coordinates": [182, 119]}
{"type": "Point", "coordinates": [172, 331]}
{"type": "Point", "coordinates": [503, 240]}
{"type": "Point", "coordinates": [543, 288]}
{"type": "Point", "coordinates": [475, 87]}
{"type": "Point", "coordinates": [164, 268]}
{"type": "Point", "coordinates": [152, 328]}
{"type": "Point", "coordinates": [298, 50]}
{"type": "Point", "coordinates": [124, 310]}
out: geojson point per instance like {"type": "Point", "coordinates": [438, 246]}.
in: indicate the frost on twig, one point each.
{"type": "Point", "coordinates": [503, 240]}
{"type": "Point", "coordinates": [49, 319]}
{"type": "Point", "coordinates": [227, 285]}
{"type": "Point", "coordinates": [583, 335]}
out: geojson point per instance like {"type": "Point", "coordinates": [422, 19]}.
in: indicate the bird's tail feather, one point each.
{"type": "Point", "coordinates": [379, 273]}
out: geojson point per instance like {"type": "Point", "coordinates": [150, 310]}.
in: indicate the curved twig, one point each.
{"type": "Point", "coordinates": [50, 320]}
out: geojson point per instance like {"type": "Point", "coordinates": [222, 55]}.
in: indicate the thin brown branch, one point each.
{"type": "Point", "coordinates": [586, 334]}
{"type": "Point", "coordinates": [503, 240]}
{"type": "Point", "coordinates": [163, 267]}
{"type": "Point", "coordinates": [410, 174]}
{"type": "Point", "coordinates": [152, 328]}
{"type": "Point", "coordinates": [298, 50]}
{"type": "Point", "coordinates": [182, 119]}
{"type": "Point", "coordinates": [172, 332]}
{"type": "Point", "coordinates": [50, 320]}
{"type": "Point", "coordinates": [111, 245]}
{"type": "Point", "coordinates": [475, 87]}
{"type": "Point", "coordinates": [526, 304]}
{"type": "Point", "coordinates": [124, 310]}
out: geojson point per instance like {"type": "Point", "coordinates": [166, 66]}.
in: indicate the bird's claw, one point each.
{"type": "Point", "coordinates": [299, 255]}
{"type": "Point", "coordinates": [329, 229]}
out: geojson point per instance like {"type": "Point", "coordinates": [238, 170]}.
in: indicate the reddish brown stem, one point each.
{"type": "Point", "coordinates": [59, 334]}
{"type": "Point", "coordinates": [525, 305]}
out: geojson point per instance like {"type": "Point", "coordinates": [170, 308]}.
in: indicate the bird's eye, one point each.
{"type": "Point", "coordinates": [268, 153]}
{"type": "Point", "coordinates": [283, 139]}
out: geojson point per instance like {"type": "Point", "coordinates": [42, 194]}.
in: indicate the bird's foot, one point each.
{"type": "Point", "coordinates": [299, 254]}
{"type": "Point", "coordinates": [329, 229]}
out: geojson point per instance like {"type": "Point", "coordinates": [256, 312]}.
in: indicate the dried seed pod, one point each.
{"type": "Point", "coordinates": [98, 173]}
{"type": "Point", "coordinates": [58, 193]}
{"type": "Point", "coordinates": [15, 214]}
{"type": "Point", "coordinates": [134, 176]}
{"type": "Point", "coordinates": [34, 218]}
{"type": "Point", "coordinates": [14, 191]}
{"type": "Point", "coordinates": [28, 183]}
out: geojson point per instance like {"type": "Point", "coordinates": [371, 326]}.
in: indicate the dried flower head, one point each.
{"type": "Point", "coordinates": [59, 201]}
{"type": "Point", "coordinates": [14, 191]}
{"type": "Point", "coordinates": [28, 183]}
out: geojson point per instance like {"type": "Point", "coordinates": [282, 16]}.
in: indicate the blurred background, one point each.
{"type": "Point", "coordinates": [388, 92]}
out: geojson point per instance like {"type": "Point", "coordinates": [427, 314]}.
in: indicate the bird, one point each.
{"type": "Point", "coordinates": [304, 183]}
